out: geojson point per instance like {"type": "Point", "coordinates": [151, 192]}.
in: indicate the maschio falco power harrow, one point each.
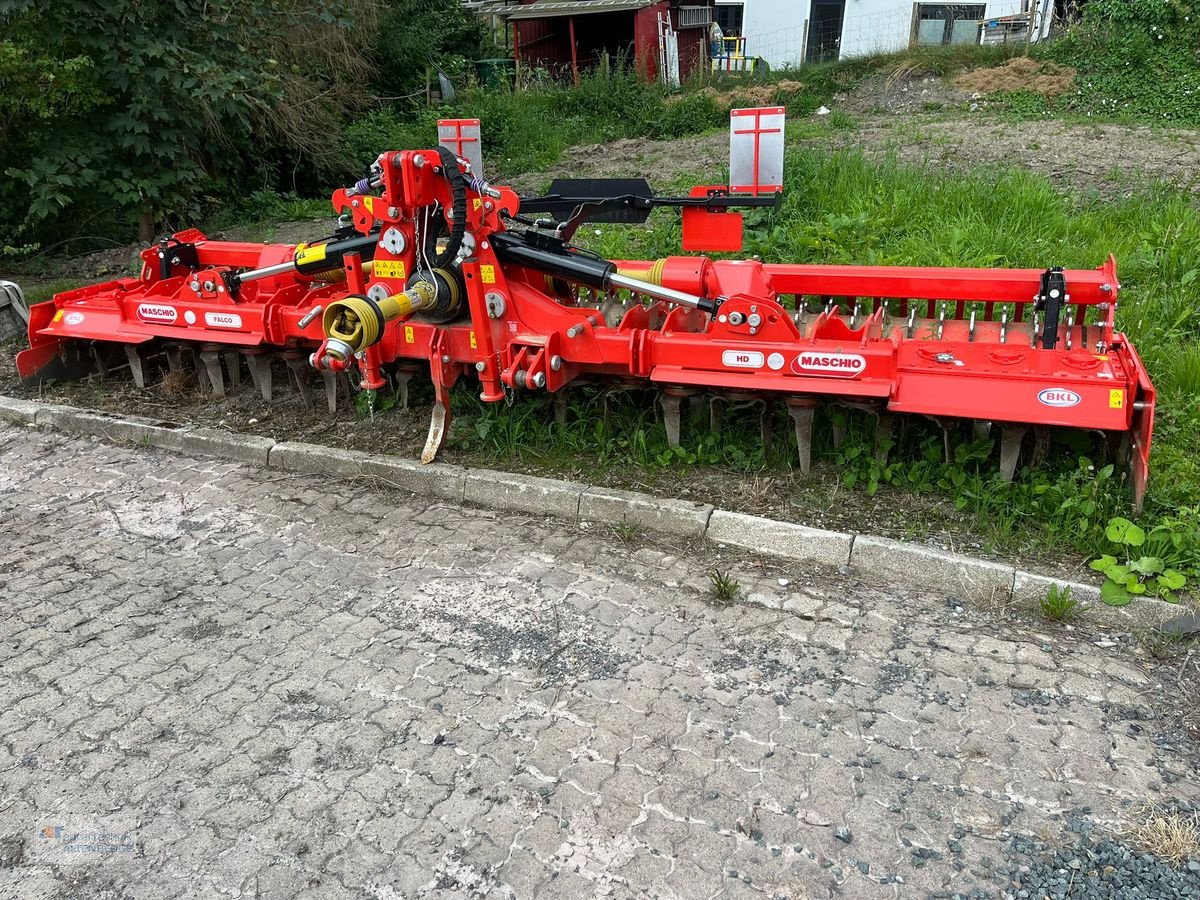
{"type": "Point", "coordinates": [432, 266]}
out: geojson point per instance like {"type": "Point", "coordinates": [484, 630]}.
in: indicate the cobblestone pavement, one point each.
{"type": "Point", "coordinates": [232, 683]}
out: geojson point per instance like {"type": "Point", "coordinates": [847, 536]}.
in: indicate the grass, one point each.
{"type": "Point", "coordinates": [724, 588]}
{"type": "Point", "coordinates": [1167, 833]}
{"type": "Point", "coordinates": [843, 208]}
{"type": "Point", "coordinates": [1058, 604]}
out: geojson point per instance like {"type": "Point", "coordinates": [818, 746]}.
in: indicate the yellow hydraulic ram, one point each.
{"type": "Point", "coordinates": [320, 262]}
{"type": "Point", "coordinates": [356, 321]}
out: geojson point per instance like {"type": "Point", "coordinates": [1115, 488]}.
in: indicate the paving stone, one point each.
{"type": "Point", "coordinates": [287, 696]}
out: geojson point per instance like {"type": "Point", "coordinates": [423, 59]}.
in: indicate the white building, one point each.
{"type": "Point", "coordinates": [791, 32]}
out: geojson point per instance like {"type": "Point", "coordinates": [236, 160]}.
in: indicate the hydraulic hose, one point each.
{"type": "Point", "coordinates": [458, 222]}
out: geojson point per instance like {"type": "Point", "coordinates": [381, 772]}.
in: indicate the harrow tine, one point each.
{"type": "Point", "coordinates": [297, 364]}
{"type": "Point", "coordinates": [839, 430]}
{"type": "Point", "coordinates": [716, 413]}
{"type": "Point", "coordinates": [233, 365]}
{"type": "Point", "coordinates": [211, 357]}
{"type": "Point", "coordinates": [403, 376]}
{"type": "Point", "coordinates": [560, 407]}
{"type": "Point", "coordinates": [330, 381]}
{"type": "Point", "coordinates": [137, 364]}
{"type": "Point", "coordinates": [765, 430]}
{"type": "Point", "coordinates": [884, 429]}
{"type": "Point", "coordinates": [981, 429]}
{"type": "Point", "coordinates": [670, 402]}
{"type": "Point", "coordinates": [1011, 437]}
{"type": "Point", "coordinates": [259, 363]}
{"type": "Point", "coordinates": [801, 410]}
{"type": "Point", "coordinates": [1041, 445]}
{"type": "Point", "coordinates": [98, 363]}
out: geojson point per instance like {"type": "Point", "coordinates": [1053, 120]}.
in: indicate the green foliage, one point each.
{"type": "Point", "coordinates": [724, 588]}
{"type": "Point", "coordinates": [628, 532]}
{"type": "Point", "coordinates": [413, 33]}
{"type": "Point", "coordinates": [126, 110]}
{"type": "Point", "coordinates": [529, 129]}
{"type": "Point", "coordinates": [1058, 604]}
{"type": "Point", "coordinates": [1135, 59]}
{"type": "Point", "coordinates": [1157, 562]}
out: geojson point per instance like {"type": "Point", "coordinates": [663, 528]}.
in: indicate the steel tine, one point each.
{"type": "Point", "coordinates": [801, 410]}
{"type": "Point", "coordinates": [258, 361]}
{"type": "Point", "coordinates": [670, 403]}
{"type": "Point", "coordinates": [1011, 437]}
{"type": "Point", "coordinates": [211, 357]}
{"type": "Point", "coordinates": [137, 364]}
{"type": "Point", "coordinates": [884, 435]}
{"type": "Point", "coordinates": [716, 413]}
{"type": "Point", "coordinates": [329, 380]}
{"type": "Point", "coordinates": [233, 365]}
{"type": "Point", "coordinates": [560, 407]}
{"type": "Point", "coordinates": [981, 429]}
{"type": "Point", "coordinates": [297, 364]}
{"type": "Point", "coordinates": [765, 425]}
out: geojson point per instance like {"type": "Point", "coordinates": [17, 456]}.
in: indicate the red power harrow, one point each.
{"type": "Point", "coordinates": [432, 265]}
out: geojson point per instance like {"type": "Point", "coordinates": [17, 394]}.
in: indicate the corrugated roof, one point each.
{"type": "Point", "coordinates": [551, 9]}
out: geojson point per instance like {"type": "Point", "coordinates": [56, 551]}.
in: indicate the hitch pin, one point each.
{"type": "Point", "coordinates": [309, 316]}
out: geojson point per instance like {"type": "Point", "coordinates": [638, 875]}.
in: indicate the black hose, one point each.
{"type": "Point", "coordinates": [458, 225]}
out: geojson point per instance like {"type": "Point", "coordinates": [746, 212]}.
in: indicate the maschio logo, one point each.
{"type": "Point", "coordinates": [156, 312]}
{"type": "Point", "coordinates": [222, 320]}
{"type": "Point", "coordinates": [847, 365]}
{"type": "Point", "coordinates": [1059, 397]}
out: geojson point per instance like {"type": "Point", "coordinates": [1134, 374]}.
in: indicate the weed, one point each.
{"type": "Point", "coordinates": [1167, 833]}
{"type": "Point", "coordinates": [628, 532]}
{"type": "Point", "coordinates": [724, 588]}
{"type": "Point", "coordinates": [1148, 557]}
{"type": "Point", "coordinates": [1058, 604]}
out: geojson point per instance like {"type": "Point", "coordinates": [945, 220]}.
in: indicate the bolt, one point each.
{"type": "Point", "coordinates": [591, 320]}
{"type": "Point", "coordinates": [736, 318]}
{"type": "Point", "coordinates": [445, 359]}
{"type": "Point", "coordinates": [208, 285]}
{"type": "Point", "coordinates": [480, 366]}
{"type": "Point", "coordinates": [574, 330]}
{"type": "Point", "coordinates": [418, 162]}
{"type": "Point", "coordinates": [449, 215]}
{"type": "Point", "coordinates": [393, 212]}
{"type": "Point", "coordinates": [174, 260]}
{"type": "Point", "coordinates": [556, 363]}
{"type": "Point", "coordinates": [754, 320]}
{"type": "Point", "coordinates": [354, 203]}
{"type": "Point", "coordinates": [1106, 288]}
{"type": "Point", "coordinates": [539, 379]}
{"type": "Point", "coordinates": [195, 286]}
{"type": "Point", "coordinates": [489, 205]}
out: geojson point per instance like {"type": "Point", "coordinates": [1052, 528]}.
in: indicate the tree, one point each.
{"type": "Point", "coordinates": [129, 110]}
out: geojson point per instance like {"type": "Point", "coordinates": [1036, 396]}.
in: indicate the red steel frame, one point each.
{"type": "Point", "coordinates": [960, 367]}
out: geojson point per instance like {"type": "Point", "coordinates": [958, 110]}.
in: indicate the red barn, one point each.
{"type": "Point", "coordinates": [662, 39]}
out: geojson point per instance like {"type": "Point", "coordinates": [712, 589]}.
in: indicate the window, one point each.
{"type": "Point", "coordinates": [947, 23]}
{"type": "Point", "coordinates": [729, 16]}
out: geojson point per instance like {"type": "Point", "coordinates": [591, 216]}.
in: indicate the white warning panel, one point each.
{"type": "Point", "coordinates": [461, 137]}
{"type": "Point", "coordinates": [756, 150]}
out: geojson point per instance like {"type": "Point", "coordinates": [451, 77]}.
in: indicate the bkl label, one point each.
{"type": "Point", "coordinates": [1058, 397]}
{"type": "Point", "coordinates": [157, 312]}
{"type": "Point", "coordinates": [222, 320]}
{"type": "Point", "coordinates": [846, 365]}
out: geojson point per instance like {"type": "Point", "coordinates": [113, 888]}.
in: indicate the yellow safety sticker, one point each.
{"type": "Point", "coordinates": [58, 316]}
{"type": "Point", "coordinates": [389, 268]}
{"type": "Point", "coordinates": [478, 204]}
{"type": "Point", "coordinates": [409, 337]}
{"type": "Point", "coordinates": [488, 274]}
{"type": "Point", "coordinates": [308, 255]}
{"type": "Point", "coordinates": [473, 344]}
{"type": "Point", "coordinates": [1116, 399]}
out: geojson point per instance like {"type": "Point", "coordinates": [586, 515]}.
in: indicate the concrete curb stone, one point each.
{"type": "Point", "coordinates": [524, 493]}
{"type": "Point", "coordinates": [954, 573]}
{"type": "Point", "coordinates": [111, 427]}
{"type": "Point", "coordinates": [880, 559]}
{"type": "Point", "coordinates": [830, 548]}
{"type": "Point", "coordinates": [19, 412]}
{"type": "Point", "coordinates": [430, 479]}
{"type": "Point", "coordinates": [677, 517]}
